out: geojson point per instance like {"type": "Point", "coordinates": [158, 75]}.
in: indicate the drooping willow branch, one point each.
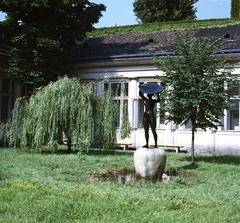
{"type": "Point", "coordinates": [64, 106]}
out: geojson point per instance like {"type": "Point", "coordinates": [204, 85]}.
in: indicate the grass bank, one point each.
{"type": "Point", "coordinates": [58, 188]}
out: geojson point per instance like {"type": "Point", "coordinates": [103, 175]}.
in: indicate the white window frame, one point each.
{"type": "Point", "coordinates": [121, 98]}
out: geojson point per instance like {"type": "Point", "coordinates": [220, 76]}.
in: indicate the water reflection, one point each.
{"type": "Point", "coordinates": [129, 178]}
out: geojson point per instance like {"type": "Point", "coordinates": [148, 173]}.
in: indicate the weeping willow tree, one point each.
{"type": "Point", "coordinates": [105, 121]}
{"type": "Point", "coordinates": [126, 129]}
{"type": "Point", "coordinates": [64, 106]}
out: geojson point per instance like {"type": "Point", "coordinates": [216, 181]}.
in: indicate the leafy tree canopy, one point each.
{"type": "Point", "coordinates": [149, 11]}
{"type": "Point", "coordinates": [196, 83]}
{"type": "Point", "coordinates": [68, 107]}
{"type": "Point", "coordinates": [45, 32]}
{"type": "Point", "coordinates": [235, 8]}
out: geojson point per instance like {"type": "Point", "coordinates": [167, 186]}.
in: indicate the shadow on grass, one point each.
{"type": "Point", "coordinates": [62, 150]}
{"type": "Point", "coordinates": [212, 158]}
{"type": "Point", "coordinates": [189, 166]}
{"type": "Point", "coordinates": [99, 152]}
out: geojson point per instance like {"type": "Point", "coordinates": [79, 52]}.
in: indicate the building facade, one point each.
{"type": "Point", "coordinates": [126, 63]}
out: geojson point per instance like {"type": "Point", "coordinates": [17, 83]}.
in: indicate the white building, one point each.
{"type": "Point", "coordinates": [125, 60]}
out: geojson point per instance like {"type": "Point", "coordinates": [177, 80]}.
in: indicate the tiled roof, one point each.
{"type": "Point", "coordinates": [137, 44]}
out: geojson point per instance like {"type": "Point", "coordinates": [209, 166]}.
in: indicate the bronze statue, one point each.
{"type": "Point", "coordinates": [149, 116]}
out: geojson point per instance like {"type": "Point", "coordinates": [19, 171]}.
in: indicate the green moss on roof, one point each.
{"type": "Point", "coordinates": [151, 28]}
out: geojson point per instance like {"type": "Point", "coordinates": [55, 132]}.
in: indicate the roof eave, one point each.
{"type": "Point", "coordinates": [142, 59]}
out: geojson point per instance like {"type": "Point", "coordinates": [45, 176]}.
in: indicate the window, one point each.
{"type": "Point", "coordinates": [27, 90]}
{"type": "Point", "coordinates": [119, 92]}
{"type": "Point", "coordinates": [233, 116]}
{"type": "Point", "coordinates": [7, 97]}
{"type": "Point", "coordinates": [188, 125]}
{"type": "Point", "coordinates": [234, 119]}
{"type": "Point", "coordinates": [140, 113]}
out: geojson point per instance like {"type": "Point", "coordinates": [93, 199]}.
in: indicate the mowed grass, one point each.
{"type": "Point", "coordinates": [42, 187]}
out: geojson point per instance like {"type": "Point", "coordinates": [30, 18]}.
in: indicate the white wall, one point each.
{"type": "Point", "coordinates": [220, 141]}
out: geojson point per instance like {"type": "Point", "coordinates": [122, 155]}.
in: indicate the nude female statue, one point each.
{"type": "Point", "coordinates": [149, 117]}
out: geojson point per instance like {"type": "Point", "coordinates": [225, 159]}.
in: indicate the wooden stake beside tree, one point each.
{"type": "Point", "coordinates": [198, 85]}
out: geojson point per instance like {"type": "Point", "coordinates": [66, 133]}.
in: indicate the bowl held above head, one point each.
{"type": "Point", "coordinates": [150, 88]}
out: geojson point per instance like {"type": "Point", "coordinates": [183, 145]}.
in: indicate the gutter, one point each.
{"type": "Point", "coordinates": [235, 52]}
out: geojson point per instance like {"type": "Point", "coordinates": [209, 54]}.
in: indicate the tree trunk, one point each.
{"type": "Point", "coordinates": [192, 147]}
{"type": "Point", "coordinates": [69, 144]}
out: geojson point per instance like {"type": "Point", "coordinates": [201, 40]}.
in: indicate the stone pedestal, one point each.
{"type": "Point", "coordinates": [150, 162]}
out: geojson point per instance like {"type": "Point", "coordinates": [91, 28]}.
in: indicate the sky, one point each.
{"type": "Point", "coordinates": [120, 12]}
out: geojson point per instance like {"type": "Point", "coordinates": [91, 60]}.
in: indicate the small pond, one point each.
{"type": "Point", "coordinates": [122, 177]}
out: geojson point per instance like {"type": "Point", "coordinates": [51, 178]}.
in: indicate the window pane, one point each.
{"type": "Point", "coordinates": [125, 108]}
{"type": "Point", "coordinates": [13, 102]}
{"type": "Point", "coordinates": [13, 87]}
{"type": "Point", "coordinates": [141, 112]}
{"type": "Point", "coordinates": [105, 87]}
{"type": "Point", "coordinates": [30, 90]}
{"type": "Point", "coordinates": [188, 125]}
{"type": "Point", "coordinates": [125, 89]}
{"type": "Point", "coordinates": [4, 112]}
{"type": "Point", "coordinates": [235, 91]}
{"type": "Point", "coordinates": [234, 122]}
{"type": "Point", "coordinates": [5, 85]}
{"type": "Point", "coordinates": [118, 114]}
{"type": "Point", "coordinates": [140, 83]}
{"type": "Point", "coordinates": [116, 89]}
{"type": "Point", "coordinates": [24, 89]}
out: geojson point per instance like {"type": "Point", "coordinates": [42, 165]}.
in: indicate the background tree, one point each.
{"type": "Point", "coordinates": [235, 8]}
{"type": "Point", "coordinates": [45, 32]}
{"type": "Point", "coordinates": [5, 32]}
{"type": "Point", "coordinates": [148, 11]}
{"type": "Point", "coordinates": [195, 85]}
{"type": "Point", "coordinates": [64, 106]}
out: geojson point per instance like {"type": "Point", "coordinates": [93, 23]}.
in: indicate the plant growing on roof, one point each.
{"type": "Point", "coordinates": [196, 81]}
{"type": "Point", "coordinates": [62, 106]}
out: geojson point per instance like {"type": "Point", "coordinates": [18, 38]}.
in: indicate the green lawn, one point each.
{"type": "Point", "coordinates": [42, 187]}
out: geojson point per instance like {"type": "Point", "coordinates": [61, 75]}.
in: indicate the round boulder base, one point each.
{"type": "Point", "coordinates": [150, 162]}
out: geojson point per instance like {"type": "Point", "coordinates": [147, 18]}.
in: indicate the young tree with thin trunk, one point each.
{"type": "Point", "coordinates": [198, 84]}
